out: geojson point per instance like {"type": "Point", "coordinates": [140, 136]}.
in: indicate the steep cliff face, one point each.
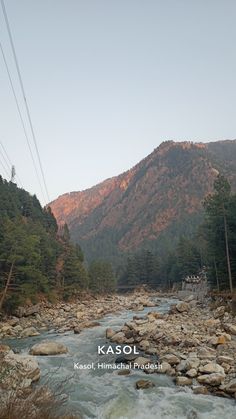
{"type": "Point", "coordinates": [160, 194]}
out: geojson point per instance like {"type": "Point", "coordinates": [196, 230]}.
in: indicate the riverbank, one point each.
{"type": "Point", "coordinates": [194, 344]}
{"type": "Point", "coordinates": [62, 317]}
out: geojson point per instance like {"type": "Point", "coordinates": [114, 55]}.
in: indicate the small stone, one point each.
{"type": "Point", "coordinates": [231, 387]}
{"type": "Point", "coordinates": [231, 328]}
{"type": "Point", "coordinates": [191, 373]}
{"type": "Point", "coordinates": [119, 337]}
{"type": "Point", "coordinates": [143, 384]}
{"type": "Point", "coordinates": [165, 368]}
{"type": "Point", "coordinates": [144, 345]}
{"type": "Point", "coordinates": [29, 331]}
{"type": "Point", "coordinates": [171, 359]}
{"type": "Point", "coordinates": [124, 372]}
{"type": "Point", "coordinates": [225, 359]}
{"type": "Point", "coordinates": [219, 312]}
{"type": "Point", "coordinates": [182, 306]}
{"type": "Point", "coordinates": [109, 333]}
{"type": "Point", "coordinates": [200, 390]}
{"type": "Point", "coordinates": [183, 381]}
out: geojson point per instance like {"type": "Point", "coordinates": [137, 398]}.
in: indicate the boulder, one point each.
{"type": "Point", "coordinates": [19, 311]}
{"type": "Point", "coordinates": [192, 363]}
{"type": "Point", "coordinates": [171, 359]}
{"type": "Point", "coordinates": [29, 311]}
{"type": "Point", "coordinates": [200, 390]}
{"type": "Point", "coordinates": [206, 353]}
{"type": "Point", "coordinates": [182, 366]}
{"type": "Point", "coordinates": [4, 349]}
{"type": "Point", "coordinates": [183, 381]}
{"type": "Point", "coordinates": [165, 368]}
{"type": "Point", "coordinates": [18, 371]}
{"type": "Point", "coordinates": [217, 340]}
{"type": "Point", "coordinates": [144, 345]}
{"type": "Point", "coordinates": [211, 367]}
{"type": "Point", "coordinates": [124, 372]}
{"type": "Point", "coordinates": [231, 328]}
{"type": "Point", "coordinates": [219, 312]}
{"type": "Point", "coordinates": [182, 307]}
{"type": "Point", "coordinates": [142, 384]}
{"type": "Point", "coordinates": [214, 379]}
{"type": "Point", "coordinates": [29, 331]}
{"type": "Point", "coordinates": [230, 387]}
{"type": "Point", "coordinates": [225, 359]}
{"type": "Point", "coordinates": [118, 337]}
{"type": "Point", "coordinates": [191, 373]}
{"type": "Point", "coordinates": [48, 348]}
{"type": "Point", "coordinates": [109, 333]}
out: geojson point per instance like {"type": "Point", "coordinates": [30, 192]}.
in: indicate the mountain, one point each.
{"type": "Point", "coordinates": [151, 204]}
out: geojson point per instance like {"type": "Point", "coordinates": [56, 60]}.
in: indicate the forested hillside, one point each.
{"type": "Point", "coordinates": [151, 205]}
{"type": "Point", "coordinates": [36, 258]}
{"type": "Point", "coordinates": [212, 246]}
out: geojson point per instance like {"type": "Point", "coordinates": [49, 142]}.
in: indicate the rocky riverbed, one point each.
{"type": "Point", "coordinates": [195, 345]}
{"type": "Point", "coordinates": [21, 371]}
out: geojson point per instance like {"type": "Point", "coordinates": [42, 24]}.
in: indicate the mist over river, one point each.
{"type": "Point", "coordinates": [103, 394]}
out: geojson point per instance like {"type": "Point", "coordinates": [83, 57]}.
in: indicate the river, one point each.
{"type": "Point", "coordinates": [103, 394]}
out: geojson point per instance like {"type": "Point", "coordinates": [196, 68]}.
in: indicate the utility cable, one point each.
{"type": "Point", "coordinates": [24, 95]}
{"type": "Point", "coordinates": [22, 120]}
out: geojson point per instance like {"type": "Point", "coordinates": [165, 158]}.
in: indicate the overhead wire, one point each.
{"type": "Point", "coordinates": [22, 120]}
{"type": "Point", "coordinates": [24, 96]}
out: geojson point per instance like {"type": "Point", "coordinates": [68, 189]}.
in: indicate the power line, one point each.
{"type": "Point", "coordinates": [8, 161]}
{"type": "Point", "coordinates": [24, 95]}
{"type": "Point", "coordinates": [21, 119]}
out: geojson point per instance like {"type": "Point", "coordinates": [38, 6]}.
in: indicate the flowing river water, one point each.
{"type": "Point", "coordinates": [103, 394]}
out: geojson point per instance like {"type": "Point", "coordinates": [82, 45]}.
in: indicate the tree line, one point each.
{"type": "Point", "coordinates": [38, 258]}
{"type": "Point", "coordinates": [213, 245]}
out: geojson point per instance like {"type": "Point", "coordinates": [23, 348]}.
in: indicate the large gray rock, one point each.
{"type": "Point", "coordinates": [231, 328]}
{"type": "Point", "coordinates": [182, 307]}
{"type": "Point", "coordinates": [109, 333]}
{"type": "Point", "coordinates": [206, 353]}
{"type": "Point", "coordinates": [183, 381]}
{"type": "Point", "coordinates": [210, 368]}
{"type": "Point", "coordinates": [118, 337]}
{"type": "Point", "coordinates": [171, 359]}
{"type": "Point", "coordinates": [219, 312]}
{"type": "Point", "coordinates": [48, 347]}
{"type": "Point", "coordinates": [214, 379]}
{"type": "Point", "coordinates": [142, 384]}
{"type": "Point", "coordinates": [29, 331]}
{"type": "Point", "coordinates": [165, 368]}
{"type": "Point", "coordinates": [230, 387]}
{"type": "Point", "coordinates": [18, 371]}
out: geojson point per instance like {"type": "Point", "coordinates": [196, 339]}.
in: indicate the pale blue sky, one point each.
{"type": "Point", "coordinates": [108, 80]}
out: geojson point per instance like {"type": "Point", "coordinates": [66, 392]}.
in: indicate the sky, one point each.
{"type": "Point", "coordinates": [107, 81]}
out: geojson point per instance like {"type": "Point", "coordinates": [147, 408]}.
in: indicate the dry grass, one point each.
{"type": "Point", "coordinates": [37, 402]}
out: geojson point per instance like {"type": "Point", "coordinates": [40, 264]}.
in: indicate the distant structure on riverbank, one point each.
{"type": "Point", "coordinates": [195, 284]}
